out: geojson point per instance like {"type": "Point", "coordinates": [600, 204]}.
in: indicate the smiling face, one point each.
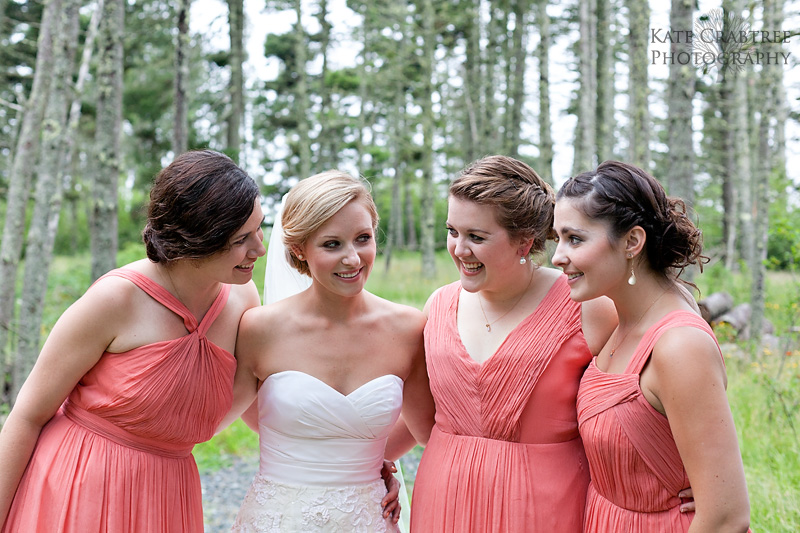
{"type": "Point", "coordinates": [235, 264]}
{"type": "Point", "coordinates": [594, 262]}
{"type": "Point", "coordinates": [479, 246]}
{"type": "Point", "coordinates": [340, 254]}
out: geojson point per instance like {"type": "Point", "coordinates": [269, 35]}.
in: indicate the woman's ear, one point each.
{"type": "Point", "coordinates": [297, 251]}
{"type": "Point", "coordinates": [525, 246]}
{"type": "Point", "coordinates": [635, 240]}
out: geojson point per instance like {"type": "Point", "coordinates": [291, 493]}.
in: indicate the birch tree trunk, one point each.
{"type": "Point", "coordinates": [585, 142]}
{"type": "Point", "coordinates": [426, 103]}
{"type": "Point", "coordinates": [304, 143]}
{"type": "Point", "coordinates": [604, 106]}
{"type": "Point", "coordinates": [328, 156]}
{"type": "Point", "coordinates": [638, 86]}
{"type": "Point", "coordinates": [26, 155]}
{"type": "Point", "coordinates": [472, 80]}
{"type": "Point", "coordinates": [730, 180]}
{"type": "Point", "coordinates": [680, 93]}
{"type": "Point", "coordinates": [103, 226]}
{"type": "Point", "coordinates": [770, 79]}
{"type": "Point", "coordinates": [236, 87]}
{"type": "Point", "coordinates": [47, 206]}
{"type": "Point", "coordinates": [180, 126]}
{"type": "Point", "coordinates": [545, 168]}
{"type": "Point", "coordinates": [517, 90]}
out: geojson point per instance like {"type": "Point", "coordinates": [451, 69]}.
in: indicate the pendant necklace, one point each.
{"type": "Point", "coordinates": [489, 324]}
{"type": "Point", "coordinates": [616, 331]}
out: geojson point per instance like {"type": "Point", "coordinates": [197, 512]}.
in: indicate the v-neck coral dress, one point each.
{"type": "Point", "coordinates": [634, 462]}
{"type": "Point", "coordinates": [505, 454]}
{"type": "Point", "coordinates": [116, 457]}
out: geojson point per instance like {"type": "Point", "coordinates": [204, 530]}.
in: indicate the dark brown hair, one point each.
{"type": "Point", "coordinates": [523, 202]}
{"type": "Point", "coordinates": [196, 205]}
{"type": "Point", "coordinates": [626, 196]}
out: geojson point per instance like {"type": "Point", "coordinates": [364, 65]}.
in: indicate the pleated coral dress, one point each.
{"type": "Point", "coordinates": [505, 454]}
{"type": "Point", "coordinates": [635, 466]}
{"type": "Point", "coordinates": [117, 456]}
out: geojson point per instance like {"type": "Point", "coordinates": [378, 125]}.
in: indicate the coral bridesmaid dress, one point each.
{"type": "Point", "coordinates": [505, 454]}
{"type": "Point", "coordinates": [117, 455]}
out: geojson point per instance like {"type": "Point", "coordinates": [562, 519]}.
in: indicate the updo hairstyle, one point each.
{"type": "Point", "coordinates": [523, 202]}
{"type": "Point", "coordinates": [197, 203]}
{"type": "Point", "coordinates": [313, 201]}
{"type": "Point", "coordinates": [625, 196]}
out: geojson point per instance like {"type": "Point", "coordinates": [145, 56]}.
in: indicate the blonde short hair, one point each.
{"type": "Point", "coordinates": [313, 201]}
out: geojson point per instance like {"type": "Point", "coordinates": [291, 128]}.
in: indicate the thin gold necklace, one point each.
{"type": "Point", "coordinates": [489, 324]}
{"type": "Point", "coordinates": [616, 331]}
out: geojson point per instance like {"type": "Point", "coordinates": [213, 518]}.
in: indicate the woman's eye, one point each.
{"type": "Point", "coordinates": [364, 238]}
{"type": "Point", "coordinates": [574, 240]}
{"type": "Point", "coordinates": [330, 244]}
{"type": "Point", "coordinates": [475, 238]}
{"type": "Point", "coordinates": [452, 232]}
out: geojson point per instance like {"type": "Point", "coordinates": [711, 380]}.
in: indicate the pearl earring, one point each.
{"type": "Point", "coordinates": [632, 278]}
{"type": "Point", "coordinates": [522, 260]}
{"type": "Point", "coordinates": [301, 257]}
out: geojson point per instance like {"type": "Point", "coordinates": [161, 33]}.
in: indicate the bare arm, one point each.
{"type": "Point", "coordinates": [598, 320]}
{"type": "Point", "coordinates": [249, 345]}
{"type": "Point", "coordinates": [76, 343]}
{"type": "Point", "coordinates": [686, 381]}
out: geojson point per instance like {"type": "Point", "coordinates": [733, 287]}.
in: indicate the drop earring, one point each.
{"type": "Point", "coordinates": [522, 260]}
{"type": "Point", "coordinates": [632, 278]}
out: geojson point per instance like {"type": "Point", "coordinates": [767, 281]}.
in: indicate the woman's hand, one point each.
{"type": "Point", "coordinates": [391, 502]}
{"type": "Point", "coordinates": [688, 505]}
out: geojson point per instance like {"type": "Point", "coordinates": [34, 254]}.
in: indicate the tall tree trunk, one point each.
{"type": "Point", "coordinates": [638, 85]}
{"type": "Point", "coordinates": [492, 64]}
{"type": "Point", "coordinates": [328, 157]}
{"type": "Point", "coordinates": [680, 93]}
{"type": "Point", "coordinates": [426, 103]}
{"type": "Point", "coordinates": [180, 127]}
{"type": "Point", "coordinates": [585, 142]}
{"type": "Point", "coordinates": [472, 80]}
{"type": "Point", "coordinates": [730, 179]}
{"type": "Point", "coordinates": [26, 155]}
{"type": "Point", "coordinates": [47, 206]}
{"type": "Point", "coordinates": [604, 106]}
{"type": "Point", "coordinates": [103, 229]}
{"type": "Point", "coordinates": [545, 168]}
{"type": "Point", "coordinates": [236, 88]}
{"type": "Point", "coordinates": [770, 80]}
{"type": "Point", "coordinates": [304, 143]}
{"type": "Point", "coordinates": [514, 128]}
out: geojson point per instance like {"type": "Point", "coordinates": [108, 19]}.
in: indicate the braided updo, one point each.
{"type": "Point", "coordinates": [523, 202]}
{"type": "Point", "coordinates": [626, 196]}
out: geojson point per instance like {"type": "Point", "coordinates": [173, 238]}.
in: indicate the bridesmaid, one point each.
{"type": "Point", "coordinates": [652, 408]}
{"type": "Point", "coordinates": [139, 369]}
{"type": "Point", "coordinates": [505, 349]}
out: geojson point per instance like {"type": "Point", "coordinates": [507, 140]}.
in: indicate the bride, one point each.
{"type": "Point", "coordinates": [331, 366]}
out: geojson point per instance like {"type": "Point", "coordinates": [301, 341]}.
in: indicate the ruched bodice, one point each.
{"type": "Point", "coordinates": [117, 455]}
{"type": "Point", "coordinates": [635, 466]}
{"type": "Point", "coordinates": [505, 454]}
{"type": "Point", "coordinates": [312, 434]}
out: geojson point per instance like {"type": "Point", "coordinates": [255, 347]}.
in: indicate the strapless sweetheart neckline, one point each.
{"type": "Point", "coordinates": [333, 389]}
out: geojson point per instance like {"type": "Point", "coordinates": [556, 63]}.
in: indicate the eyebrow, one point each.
{"type": "Point", "coordinates": [246, 233]}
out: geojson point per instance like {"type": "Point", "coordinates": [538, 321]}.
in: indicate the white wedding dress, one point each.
{"type": "Point", "coordinates": [321, 456]}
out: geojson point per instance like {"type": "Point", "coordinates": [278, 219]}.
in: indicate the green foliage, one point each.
{"type": "Point", "coordinates": [236, 440]}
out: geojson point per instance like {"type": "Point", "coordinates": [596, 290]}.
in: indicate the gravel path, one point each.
{"type": "Point", "coordinates": [224, 489]}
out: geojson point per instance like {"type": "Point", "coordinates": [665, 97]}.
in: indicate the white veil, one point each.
{"type": "Point", "coordinates": [281, 280]}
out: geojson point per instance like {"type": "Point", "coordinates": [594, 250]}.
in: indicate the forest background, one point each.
{"type": "Point", "coordinates": [96, 96]}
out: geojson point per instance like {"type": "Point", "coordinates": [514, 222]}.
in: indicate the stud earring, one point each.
{"type": "Point", "coordinates": [301, 257]}
{"type": "Point", "coordinates": [522, 260]}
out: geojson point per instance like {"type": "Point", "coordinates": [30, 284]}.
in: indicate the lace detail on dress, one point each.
{"type": "Point", "coordinates": [272, 507]}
